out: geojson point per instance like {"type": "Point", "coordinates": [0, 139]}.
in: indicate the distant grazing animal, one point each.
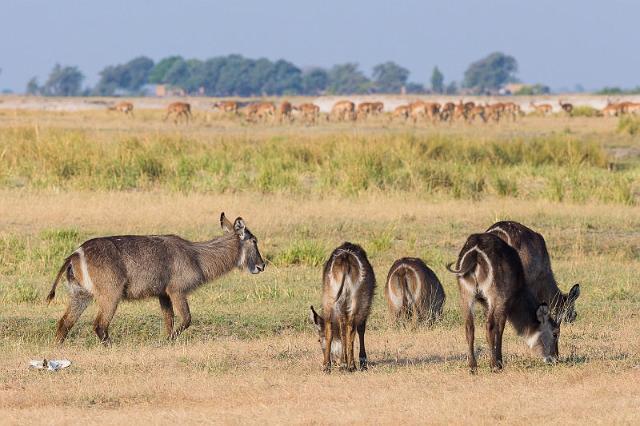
{"type": "Point", "coordinates": [178, 109]}
{"type": "Point", "coordinates": [310, 112]}
{"type": "Point", "coordinates": [343, 111]}
{"type": "Point", "coordinates": [401, 111]}
{"type": "Point", "coordinates": [476, 111]}
{"type": "Point", "coordinates": [347, 292]}
{"type": "Point", "coordinates": [566, 107]}
{"type": "Point", "coordinates": [260, 111]}
{"type": "Point", "coordinates": [542, 109]}
{"type": "Point", "coordinates": [533, 253]}
{"type": "Point", "coordinates": [364, 109]}
{"type": "Point", "coordinates": [377, 108]}
{"type": "Point", "coordinates": [612, 109]}
{"type": "Point", "coordinates": [124, 107]}
{"type": "Point", "coordinates": [226, 106]}
{"type": "Point", "coordinates": [414, 291]}
{"type": "Point", "coordinates": [284, 111]}
{"type": "Point", "coordinates": [447, 110]}
{"type": "Point", "coordinates": [489, 271]}
{"type": "Point", "coordinates": [109, 269]}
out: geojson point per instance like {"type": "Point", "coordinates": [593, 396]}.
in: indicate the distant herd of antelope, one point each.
{"type": "Point", "coordinates": [506, 269]}
{"type": "Point", "coordinates": [346, 110]}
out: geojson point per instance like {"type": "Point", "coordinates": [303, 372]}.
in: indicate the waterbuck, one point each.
{"type": "Point", "coordinates": [347, 292]}
{"type": "Point", "coordinates": [109, 269]}
{"type": "Point", "coordinates": [534, 256]}
{"type": "Point", "coordinates": [413, 291]}
{"type": "Point", "coordinates": [490, 271]}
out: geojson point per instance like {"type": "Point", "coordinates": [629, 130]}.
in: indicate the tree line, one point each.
{"type": "Point", "coordinates": [236, 75]}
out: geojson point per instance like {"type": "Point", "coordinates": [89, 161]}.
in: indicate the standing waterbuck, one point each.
{"type": "Point", "coordinates": [347, 292]}
{"type": "Point", "coordinates": [534, 256]}
{"type": "Point", "coordinates": [489, 271]}
{"type": "Point", "coordinates": [168, 267]}
{"type": "Point", "coordinates": [413, 291]}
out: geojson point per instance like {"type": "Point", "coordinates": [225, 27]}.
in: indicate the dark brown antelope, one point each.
{"type": "Point", "coordinates": [178, 109]}
{"type": "Point", "coordinates": [534, 256]}
{"type": "Point", "coordinates": [284, 111]}
{"type": "Point", "coordinates": [124, 107]}
{"type": "Point", "coordinates": [413, 291]}
{"type": "Point", "coordinates": [347, 292]}
{"type": "Point", "coordinates": [109, 269]}
{"type": "Point", "coordinates": [489, 271]}
{"type": "Point", "coordinates": [566, 107]}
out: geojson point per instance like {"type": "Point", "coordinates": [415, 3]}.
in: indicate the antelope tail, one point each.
{"type": "Point", "coordinates": [467, 263]}
{"type": "Point", "coordinates": [63, 268]}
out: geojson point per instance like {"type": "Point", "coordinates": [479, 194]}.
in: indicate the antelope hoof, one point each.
{"type": "Point", "coordinates": [473, 369]}
{"type": "Point", "coordinates": [326, 369]}
{"type": "Point", "coordinates": [363, 363]}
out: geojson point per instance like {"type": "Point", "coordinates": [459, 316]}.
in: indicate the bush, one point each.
{"type": "Point", "coordinates": [585, 111]}
{"type": "Point", "coordinates": [629, 124]}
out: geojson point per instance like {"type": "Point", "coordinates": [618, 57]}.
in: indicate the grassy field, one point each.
{"type": "Point", "coordinates": [251, 355]}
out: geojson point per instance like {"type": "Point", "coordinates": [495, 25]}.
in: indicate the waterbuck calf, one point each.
{"type": "Point", "coordinates": [413, 291]}
{"type": "Point", "coordinates": [168, 267]}
{"type": "Point", "coordinates": [347, 292]}
{"type": "Point", "coordinates": [538, 275]}
{"type": "Point", "coordinates": [490, 271]}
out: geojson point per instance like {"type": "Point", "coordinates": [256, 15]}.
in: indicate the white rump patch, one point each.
{"type": "Point", "coordinates": [86, 278]}
{"type": "Point", "coordinates": [497, 228]}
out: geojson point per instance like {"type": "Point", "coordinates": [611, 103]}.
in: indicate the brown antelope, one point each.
{"type": "Point", "coordinates": [124, 107]}
{"type": "Point", "coordinates": [310, 112]}
{"type": "Point", "coordinates": [566, 107]}
{"type": "Point", "coordinates": [284, 111]}
{"type": "Point", "coordinates": [178, 109]}
{"type": "Point", "coordinates": [347, 292]}
{"type": "Point", "coordinates": [476, 111]}
{"type": "Point", "coordinates": [511, 110]}
{"type": "Point", "coordinates": [539, 277]}
{"type": "Point", "coordinates": [489, 271]}
{"type": "Point", "coordinates": [542, 109]}
{"type": "Point", "coordinates": [109, 269]}
{"type": "Point", "coordinates": [343, 111]}
{"type": "Point", "coordinates": [494, 111]}
{"type": "Point", "coordinates": [413, 291]}
{"type": "Point", "coordinates": [612, 109]}
{"type": "Point", "coordinates": [460, 111]}
{"type": "Point", "coordinates": [363, 110]}
{"type": "Point", "coordinates": [226, 106]}
{"type": "Point", "coordinates": [377, 108]}
{"type": "Point", "coordinates": [447, 111]}
{"type": "Point", "coordinates": [260, 111]}
{"type": "Point", "coordinates": [402, 112]}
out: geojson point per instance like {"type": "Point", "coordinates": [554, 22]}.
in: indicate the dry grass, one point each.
{"type": "Point", "coordinates": [251, 356]}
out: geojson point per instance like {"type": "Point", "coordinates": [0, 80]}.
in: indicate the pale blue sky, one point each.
{"type": "Point", "coordinates": [560, 43]}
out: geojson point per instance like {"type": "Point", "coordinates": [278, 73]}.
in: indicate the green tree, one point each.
{"type": "Point", "coordinates": [491, 72]}
{"type": "Point", "coordinates": [347, 79]}
{"type": "Point", "coordinates": [389, 77]}
{"type": "Point", "coordinates": [32, 87]}
{"type": "Point", "coordinates": [315, 81]}
{"type": "Point", "coordinates": [129, 77]}
{"type": "Point", "coordinates": [159, 71]}
{"type": "Point", "coordinates": [63, 81]}
{"type": "Point", "coordinates": [437, 81]}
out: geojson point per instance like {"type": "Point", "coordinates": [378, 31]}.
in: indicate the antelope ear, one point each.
{"type": "Point", "coordinates": [543, 313]}
{"type": "Point", "coordinates": [574, 293]}
{"type": "Point", "coordinates": [225, 223]}
{"type": "Point", "coordinates": [238, 227]}
{"type": "Point", "coordinates": [316, 319]}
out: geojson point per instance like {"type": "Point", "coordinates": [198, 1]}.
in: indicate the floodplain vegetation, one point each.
{"type": "Point", "coordinates": [251, 354]}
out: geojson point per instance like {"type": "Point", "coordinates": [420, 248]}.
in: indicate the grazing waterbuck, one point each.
{"type": "Point", "coordinates": [538, 275]}
{"type": "Point", "coordinates": [109, 269]}
{"type": "Point", "coordinates": [347, 292]}
{"type": "Point", "coordinates": [489, 271]}
{"type": "Point", "coordinates": [413, 291]}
